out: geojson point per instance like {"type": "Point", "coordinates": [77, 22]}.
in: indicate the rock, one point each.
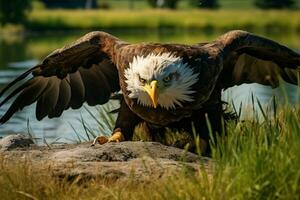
{"type": "Point", "coordinates": [139, 161]}
{"type": "Point", "coordinates": [15, 141]}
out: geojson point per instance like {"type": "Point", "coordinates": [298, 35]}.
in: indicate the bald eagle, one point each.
{"type": "Point", "coordinates": [163, 85]}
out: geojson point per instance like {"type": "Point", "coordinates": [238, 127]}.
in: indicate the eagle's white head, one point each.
{"type": "Point", "coordinates": [161, 79]}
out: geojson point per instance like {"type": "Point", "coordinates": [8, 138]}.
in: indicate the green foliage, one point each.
{"type": "Point", "coordinates": [14, 11]}
{"type": "Point", "coordinates": [172, 4]}
{"type": "Point", "coordinates": [210, 4]}
{"type": "Point", "coordinates": [277, 4]}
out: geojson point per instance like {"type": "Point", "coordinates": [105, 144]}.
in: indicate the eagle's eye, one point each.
{"type": "Point", "coordinates": [167, 78]}
{"type": "Point", "coordinates": [143, 81]}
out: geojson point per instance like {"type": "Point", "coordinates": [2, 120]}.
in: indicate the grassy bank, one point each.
{"type": "Point", "coordinates": [255, 161]}
{"type": "Point", "coordinates": [204, 20]}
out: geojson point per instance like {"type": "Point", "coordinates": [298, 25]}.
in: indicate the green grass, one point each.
{"type": "Point", "coordinates": [203, 20]}
{"type": "Point", "coordinates": [256, 160]}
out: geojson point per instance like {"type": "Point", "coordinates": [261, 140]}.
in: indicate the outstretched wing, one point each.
{"type": "Point", "coordinates": [249, 58]}
{"type": "Point", "coordinates": [68, 77]}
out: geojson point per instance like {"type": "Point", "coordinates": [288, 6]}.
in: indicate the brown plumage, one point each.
{"type": "Point", "coordinates": [92, 68]}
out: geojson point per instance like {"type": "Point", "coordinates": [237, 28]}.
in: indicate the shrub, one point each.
{"type": "Point", "coordinates": [14, 11]}
{"type": "Point", "coordinates": [205, 3]}
{"type": "Point", "coordinates": [172, 4]}
{"type": "Point", "coordinates": [277, 4]}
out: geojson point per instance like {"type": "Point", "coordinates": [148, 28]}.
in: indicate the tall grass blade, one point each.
{"type": "Point", "coordinates": [76, 133]}
{"type": "Point", "coordinates": [262, 110]}
{"type": "Point", "coordinates": [94, 117]}
{"type": "Point", "coordinates": [87, 130]}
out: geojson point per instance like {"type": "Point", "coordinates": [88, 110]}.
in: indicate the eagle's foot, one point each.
{"type": "Point", "coordinates": [116, 137]}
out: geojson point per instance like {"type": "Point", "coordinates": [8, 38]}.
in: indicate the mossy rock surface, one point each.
{"type": "Point", "coordinates": [139, 161]}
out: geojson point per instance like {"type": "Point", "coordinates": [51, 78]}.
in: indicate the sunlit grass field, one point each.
{"type": "Point", "coordinates": [256, 160]}
{"type": "Point", "coordinates": [205, 20]}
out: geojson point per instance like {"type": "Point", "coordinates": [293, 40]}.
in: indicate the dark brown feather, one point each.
{"type": "Point", "coordinates": [63, 99]}
{"type": "Point", "coordinates": [77, 90]}
{"type": "Point", "coordinates": [96, 89]}
{"type": "Point", "coordinates": [68, 77]}
{"type": "Point", "coordinates": [250, 58]}
{"type": "Point", "coordinates": [19, 78]}
{"type": "Point", "coordinates": [31, 91]}
{"type": "Point", "coordinates": [48, 98]}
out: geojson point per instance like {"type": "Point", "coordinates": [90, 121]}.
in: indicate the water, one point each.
{"type": "Point", "coordinates": [19, 53]}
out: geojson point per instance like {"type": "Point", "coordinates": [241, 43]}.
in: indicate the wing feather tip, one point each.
{"type": "Point", "coordinates": [3, 119]}
{"type": "Point", "coordinates": [39, 118]}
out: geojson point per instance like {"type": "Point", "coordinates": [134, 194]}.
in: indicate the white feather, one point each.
{"type": "Point", "coordinates": [157, 67]}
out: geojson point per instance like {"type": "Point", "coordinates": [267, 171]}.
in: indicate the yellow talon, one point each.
{"type": "Point", "coordinates": [116, 137]}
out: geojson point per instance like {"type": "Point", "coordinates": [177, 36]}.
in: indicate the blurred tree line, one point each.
{"type": "Point", "coordinates": [266, 4]}
{"type": "Point", "coordinates": [14, 11]}
{"type": "Point", "coordinates": [212, 4]}
{"type": "Point", "coordinates": [172, 4]}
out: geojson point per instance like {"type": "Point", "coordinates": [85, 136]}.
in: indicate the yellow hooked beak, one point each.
{"type": "Point", "coordinates": [152, 91]}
